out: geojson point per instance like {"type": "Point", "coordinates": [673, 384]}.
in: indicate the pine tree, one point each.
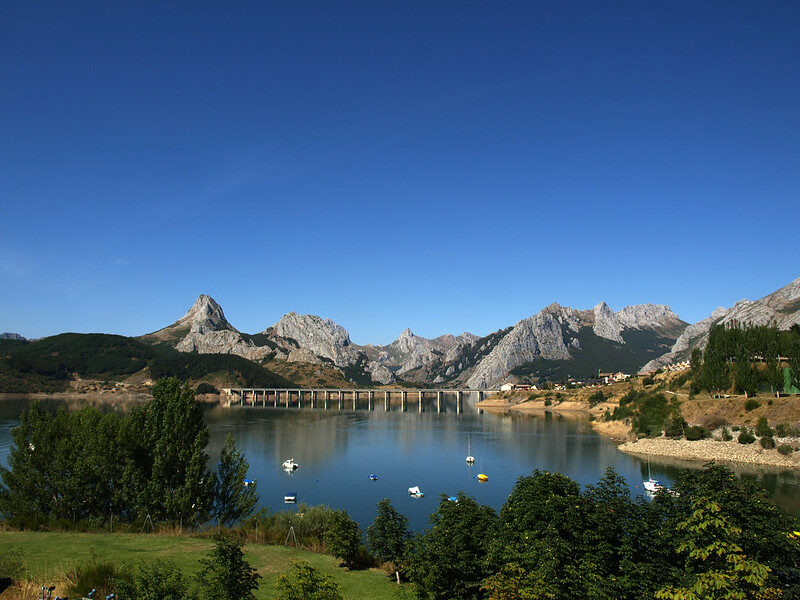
{"type": "Point", "coordinates": [226, 574]}
{"type": "Point", "coordinates": [388, 535]}
{"type": "Point", "coordinates": [234, 498]}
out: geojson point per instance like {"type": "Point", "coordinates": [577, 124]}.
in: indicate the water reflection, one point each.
{"type": "Point", "coordinates": [337, 450]}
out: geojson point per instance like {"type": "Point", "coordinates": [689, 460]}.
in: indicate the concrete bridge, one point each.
{"type": "Point", "coordinates": [327, 398]}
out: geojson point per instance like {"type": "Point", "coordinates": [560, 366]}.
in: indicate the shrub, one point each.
{"type": "Point", "coordinates": [160, 579]}
{"type": "Point", "coordinates": [304, 582]}
{"type": "Point", "coordinates": [785, 430]}
{"type": "Point", "coordinates": [785, 449]}
{"type": "Point", "coordinates": [225, 573]}
{"type": "Point", "coordinates": [726, 434]}
{"type": "Point", "coordinates": [548, 402]}
{"type": "Point", "coordinates": [206, 388]}
{"type": "Point", "coordinates": [762, 428]}
{"type": "Point", "coordinates": [596, 398]}
{"type": "Point", "coordinates": [648, 381]}
{"type": "Point", "coordinates": [676, 426]}
{"type": "Point", "coordinates": [767, 442]}
{"type": "Point", "coordinates": [696, 432]}
{"type": "Point", "coordinates": [102, 576]}
{"type": "Point", "coordinates": [751, 404]}
{"type": "Point", "coordinates": [713, 422]}
{"type": "Point", "coordinates": [736, 428]}
{"type": "Point", "coordinates": [745, 437]}
{"type": "Point", "coordinates": [343, 539]}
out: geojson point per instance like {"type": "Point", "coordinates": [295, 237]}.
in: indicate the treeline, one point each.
{"type": "Point", "coordinates": [742, 358]}
{"type": "Point", "coordinates": [150, 464]}
{"type": "Point", "coordinates": [48, 364]}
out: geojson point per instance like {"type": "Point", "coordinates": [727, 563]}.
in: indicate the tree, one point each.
{"type": "Point", "coordinates": [715, 376]}
{"type": "Point", "coordinates": [773, 375]}
{"type": "Point", "coordinates": [542, 528]}
{"type": "Point", "coordinates": [343, 538]}
{"type": "Point", "coordinates": [745, 376]}
{"type": "Point", "coordinates": [717, 567]}
{"type": "Point", "coordinates": [225, 573]}
{"type": "Point", "coordinates": [167, 475]}
{"type": "Point", "coordinates": [447, 562]}
{"type": "Point", "coordinates": [234, 498]}
{"type": "Point", "coordinates": [158, 580]}
{"type": "Point", "coordinates": [304, 582]}
{"type": "Point", "coordinates": [388, 535]}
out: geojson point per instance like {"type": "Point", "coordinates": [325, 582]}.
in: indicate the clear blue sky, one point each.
{"type": "Point", "coordinates": [444, 166]}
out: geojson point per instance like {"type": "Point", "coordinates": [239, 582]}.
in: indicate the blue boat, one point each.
{"type": "Point", "coordinates": [373, 477]}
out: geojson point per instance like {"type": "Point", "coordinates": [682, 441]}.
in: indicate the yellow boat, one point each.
{"type": "Point", "coordinates": [483, 477]}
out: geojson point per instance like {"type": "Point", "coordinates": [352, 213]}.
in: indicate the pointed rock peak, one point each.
{"type": "Point", "coordinates": [206, 315]}
{"type": "Point", "coordinates": [602, 307]}
{"type": "Point", "coordinates": [406, 334]}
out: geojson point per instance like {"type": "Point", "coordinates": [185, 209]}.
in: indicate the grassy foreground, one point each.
{"type": "Point", "coordinates": [49, 555]}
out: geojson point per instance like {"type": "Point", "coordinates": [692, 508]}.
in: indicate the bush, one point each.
{"type": "Point", "coordinates": [785, 430]}
{"type": "Point", "coordinates": [225, 573]}
{"type": "Point", "coordinates": [762, 428]}
{"type": "Point", "coordinates": [713, 422]}
{"type": "Point", "coordinates": [102, 576]}
{"type": "Point", "coordinates": [648, 381]}
{"type": "Point", "coordinates": [206, 388]}
{"type": "Point", "coordinates": [767, 442]}
{"type": "Point", "coordinates": [304, 582]}
{"type": "Point", "coordinates": [696, 432]}
{"type": "Point", "coordinates": [726, 434]}
{"type": "Point", "coordinates": [745, 437]}
{"type": "Point", "coordinates": [343, 539]}
{"type": "Point", "coordinates": [160, 579]}
{"type": "Point", "coordinates": [676, 426]}
{"type": "Point", "coordinates": [548, 402]}
{"type": "Point", "coordinates": [596, 398]}
{"type": "Point", "coordinates": [785, 449]}
{"type": "Point", "coordinates": [751, 404]}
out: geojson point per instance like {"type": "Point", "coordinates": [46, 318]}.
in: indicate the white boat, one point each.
{"type": "Point", "coordinates": [415, 491]}
{"type": "Point", "coordinates": [470, 458]}
{"type": "Point", "coordinates": [290, 497]}
{"type": "Point", "coordinates": [290, 465]}
{"type": "Point", "coordinates": [653, 486]}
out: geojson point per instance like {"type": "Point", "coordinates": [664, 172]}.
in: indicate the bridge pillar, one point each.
{"type": "Point", "coordinates": [420, 400]}
{"type": "Point", "coordinates": [340, 399]}
{"type": "Point", "coordinates": [458, 401]}
{"type": "Point", "coordinates": [438, 402]}
{"type": "Point", "coordinates": [480, 396]}
{"type": "Point", "coordinates": [355, 397]}
{"type": "Point", "coordinates": [370, 395]}
{"type": "Point", "coordinates": [403, 401]}
{"type": "Point", "coordinates": [386, 400]}
{"type": "Point", "coordinates": [313, 398]}
{"type": "Point", "coordinates": [327, 397]}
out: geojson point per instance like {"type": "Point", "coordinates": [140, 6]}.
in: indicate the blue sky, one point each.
{"type": "Point", "coordinates": [444, 166]}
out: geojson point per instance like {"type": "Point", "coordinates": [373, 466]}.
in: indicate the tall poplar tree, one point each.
{"type": "Point", "coordinates": [235, 498]}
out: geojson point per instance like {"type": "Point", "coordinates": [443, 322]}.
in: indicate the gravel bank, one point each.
{"type": "Point", "coordinates": [708, 450]}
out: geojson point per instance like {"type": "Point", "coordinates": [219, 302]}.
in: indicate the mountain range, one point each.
{"type": "Point", "coordinates": [555, 343]}
{"type": "Point", "coordinates": [549, 343]}
{"type": "Point", "coordinates": [780, 308]}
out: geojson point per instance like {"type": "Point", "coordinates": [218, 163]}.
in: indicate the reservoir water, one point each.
{"type": "Point", "coordinates": [337, 451]}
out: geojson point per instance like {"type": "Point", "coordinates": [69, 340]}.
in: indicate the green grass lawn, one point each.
{"type": "Point", "coordinates": [48, 556]}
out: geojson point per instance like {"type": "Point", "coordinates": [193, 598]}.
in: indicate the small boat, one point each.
{"type": "Point", "coordinates": [290, 465]}
{"type": "Point", "coordinates": [373, 477]}
{"type": "Point", "coordinates": [249, 482]}
{"type": "Point", "coordinates": [290, 497]}
{"type": "Point", "coordinates": [470, 458]}
{"type": "Point", "coordinates": [483, 477]}
{"type": "Point", "coordinates": [453, 498]}
{"type": "Point", "coordinates": [653, 486]}
{"type": "Point", "coordinates": [415, 491]}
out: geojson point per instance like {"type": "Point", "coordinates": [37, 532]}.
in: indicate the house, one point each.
{"type": "Point", "coordinates": [508, 386]}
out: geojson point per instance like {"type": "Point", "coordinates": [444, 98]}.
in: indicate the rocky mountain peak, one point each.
{"type": "Point", "coordinates": [606, 323]}
{"type": "Point", "coordinates": [206, 315]}
{"type": "Point", "coordinates": [11, 336]}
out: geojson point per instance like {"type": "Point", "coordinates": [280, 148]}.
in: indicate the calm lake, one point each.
{"type": "Point", "coordinates": [337, 451]}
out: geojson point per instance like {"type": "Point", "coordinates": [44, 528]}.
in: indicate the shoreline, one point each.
{"type": "Point", "coordinates": [700, 451]}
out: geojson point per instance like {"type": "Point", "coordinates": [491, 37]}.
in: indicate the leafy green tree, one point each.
{"type": "Point", "coordinates": [157, 580]}
{"type": "Point", "coordinates": [304, 582]}
{"type": "Point", "coordinates": [225, 573]}
{"type": "Point", "coordinates": [542, 528]}
{"type": "Point", "coordinates": [167, 475]}
{"type": "Point", "coordinates": [234, 498]}
{"type": "Point", "coordinates": [717, 567]}
{"type": "Point", "coordinates": [745, 376]}
{"type": "Point", "coordinates": [773, 375]}
{"type": "Point", "coordinates": [448, 561]}
{"type": "Point", "coordinates": [343, 538]}
{"type": "Point", "coordinates": [388, 535]}
{"type": "Point", "coordinates": [715, 375]}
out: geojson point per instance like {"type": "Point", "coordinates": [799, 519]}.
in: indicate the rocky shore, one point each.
{"type": "Point", "coordinates": [708, 450]}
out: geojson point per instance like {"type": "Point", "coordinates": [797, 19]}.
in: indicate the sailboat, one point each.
{"type": "Point", "coordinates": [470, 458]}
{"type": "Point", "coordinates": [652, 485]}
